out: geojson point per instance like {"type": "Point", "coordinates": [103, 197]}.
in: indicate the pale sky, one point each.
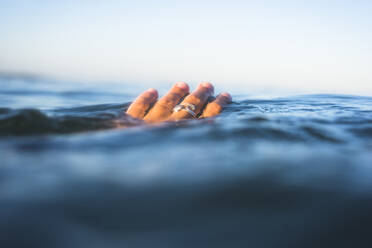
{"type": "Point", "coordinates": [300, 46]}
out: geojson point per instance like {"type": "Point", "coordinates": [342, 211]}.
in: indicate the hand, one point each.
{"type": "Point", "coordinates": [148, 108]}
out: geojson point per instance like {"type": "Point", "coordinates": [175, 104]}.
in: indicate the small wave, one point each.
{"type": "Point", "coordinates": [35, 122]}
{"type": "Point", "coordinates": [364, 132]}
{"type": "Point", "coordinates": [320, 134]}
{"type": "Point", "coordinates": [264, 133]}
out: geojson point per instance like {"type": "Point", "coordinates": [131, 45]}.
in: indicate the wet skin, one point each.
{"type": "Point", "coordinates": [147, 107]}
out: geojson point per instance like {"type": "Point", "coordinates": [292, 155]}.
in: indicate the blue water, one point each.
{"type": "Point", "coordinates": [75, 171]}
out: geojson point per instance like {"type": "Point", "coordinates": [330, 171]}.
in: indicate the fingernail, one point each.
{"type": "Point", "coordinates": [153, 92]}
{"type": "Point", "coordinates": [208, 85]}
{"type": "Point", "coordinates": [227, 95]}
{"type": "Point", "coordinates": [182, 85]}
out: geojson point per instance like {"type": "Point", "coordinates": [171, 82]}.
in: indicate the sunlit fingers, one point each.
{"type": "Point", "coordinates": [198, 98]}
{"type": "Point", "coordinates": [142, 103]}
{"type": "Point", "coordinates": [216, 107]}
{"type": "Point", "coordinates": [164, 107]}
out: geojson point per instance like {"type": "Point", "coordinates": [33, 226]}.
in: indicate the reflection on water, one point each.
{"type": "Point", "coordinates": [282, 172]}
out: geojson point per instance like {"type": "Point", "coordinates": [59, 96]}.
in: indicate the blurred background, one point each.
{"type": "Point", "coordinates": [287, 164]}
{"type": "Point", "coordinates": [241, 46]}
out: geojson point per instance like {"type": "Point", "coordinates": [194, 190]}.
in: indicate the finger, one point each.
{"type": "Point", "coordinates": [164, 107]}
{"type": "Point", "coordinates": [215, 107]}
{"type": "Point", "coordinates": [142, 103]}
{"type": "Point", "coordinates": [198, 98]}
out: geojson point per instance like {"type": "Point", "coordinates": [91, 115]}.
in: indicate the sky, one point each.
{"type": "Point", "coordinates": [295, 46]}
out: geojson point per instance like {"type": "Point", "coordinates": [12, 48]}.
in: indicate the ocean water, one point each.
{"type": "Point", "coordinates": [75, 171]}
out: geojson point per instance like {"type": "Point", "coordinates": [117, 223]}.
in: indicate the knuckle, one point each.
{"type": "Point", "coordinates": [216, 108]}
{"type": "Point", "coordinates": [170, 99]}
{"type": "Point", "coordinates": [193, 100]}
{"type": "Point", "coordinates": [140, 105]}
{"type": "Point", "coordinates": [166, 101]}
{"type": "Point", "coordinates": [213, 109]}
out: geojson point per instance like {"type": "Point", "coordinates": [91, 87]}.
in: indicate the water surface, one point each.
{"type": "Point", "coordinates": [282, 172]}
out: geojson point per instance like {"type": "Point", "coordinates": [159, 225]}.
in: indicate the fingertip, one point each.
{"type": "Point", "coordinates": [138, 108]}
{"type": "Point", "coordinates": [153, 92]}
{"type": "Point", "coordinates": [208, 86]}
{"type": "Point", "coordinates": [183, 86]}
{"type": "Point", "coordinates": [227, 96]}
